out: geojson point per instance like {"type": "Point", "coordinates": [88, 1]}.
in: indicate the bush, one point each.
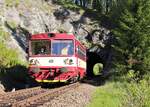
{"type": "Point", "coordinates": [137, 95]}
{"type": "Point", "coordinates": [8, 57]}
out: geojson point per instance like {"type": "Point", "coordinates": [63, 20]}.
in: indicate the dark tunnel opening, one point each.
{"type": "Point", "coordinates": [92, 59]}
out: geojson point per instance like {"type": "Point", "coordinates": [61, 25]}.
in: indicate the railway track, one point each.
{"type": "Point", "coordinates": [33, 97]}
{"type": "Point", "coordinates": [9, 98]}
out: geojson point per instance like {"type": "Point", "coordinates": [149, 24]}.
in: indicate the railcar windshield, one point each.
{"type": "Point", "coordinates": [40, 47]}
{"type": "Point", "coordinates": [62, 47]}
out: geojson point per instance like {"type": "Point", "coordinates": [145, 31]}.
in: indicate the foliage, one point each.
{"type": "Point", "coordinates": [133, 40]}
{"type": "Point", "coordinates": [122, 94]}
{"type": "Point", "coordinates": [98, 67]}
{"type": "Point", "coordinates": [68, 4]}
{"type": "Point", "coordinates": [137, 95]}
{"type": "Point", "coordinates": [8, 57]}
{"type": "Point", "coordinates": [102, 6]}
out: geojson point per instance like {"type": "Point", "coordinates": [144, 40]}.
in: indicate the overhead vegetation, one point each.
{"type": "Point", "coordinates": [102, 6]}
{"type": "Point", "coordinates": [67, 4]}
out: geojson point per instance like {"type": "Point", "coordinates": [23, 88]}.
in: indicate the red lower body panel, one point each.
{"type": "Point", "coordinates": [56, 74]}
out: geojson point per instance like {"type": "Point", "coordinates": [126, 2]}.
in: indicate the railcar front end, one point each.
{"type": "Point", "coordinates": [55, 58]}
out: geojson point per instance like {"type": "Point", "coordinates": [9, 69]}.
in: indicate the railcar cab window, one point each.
{"type": "Point", "coordinates": [40, 47]}
{"type": "Point", "coordinates": [62, 47]}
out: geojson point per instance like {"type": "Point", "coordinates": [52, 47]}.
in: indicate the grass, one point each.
{"type": "Point", "coordinates": [8, 57]}
{"type": "Point", "coordinates": [12, 24]}
{"type": "Point", "coordinates": [122, 94]}
{"type": "Point", "coordinates": [46, 8]}
{"type": "Point", "coordinates": [10, 3]}
{"type": "Point", "coordinates": [108, 95]}
{"type": "Point", "coordinates": [3, 35]}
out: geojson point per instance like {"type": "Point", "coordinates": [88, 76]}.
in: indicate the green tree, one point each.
{"type": "Point", "coordinates": [133, 37]}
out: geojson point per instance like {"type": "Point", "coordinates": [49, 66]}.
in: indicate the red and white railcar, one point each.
{"type": "Point", "coordinates": [55, 57]}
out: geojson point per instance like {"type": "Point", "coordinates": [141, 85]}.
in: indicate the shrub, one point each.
{"type": "Point", "coordinates": [8, 57]}
{"type": "Point", "coordinates": [137, 95]}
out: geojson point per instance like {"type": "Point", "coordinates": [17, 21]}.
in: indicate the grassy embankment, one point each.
{"type": "Point", "coordinates": [122, 94]}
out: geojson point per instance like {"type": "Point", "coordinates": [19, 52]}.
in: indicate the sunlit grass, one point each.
{"type": "Point", "coordinates": [12, 2]}
{"type": "Point", "coordinates": [122, 94]}
{"type": "Point", "coordinates": [3, 35]}
{"type": "Point", "coordinates": [108, 95]}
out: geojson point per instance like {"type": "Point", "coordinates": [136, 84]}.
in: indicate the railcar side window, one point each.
{"type": "Point", "coordinates": [81, 52]}
{"type": "Point", "coordinates": [40, 47]}
{"type": "Point", "coordinates": [62, 47]}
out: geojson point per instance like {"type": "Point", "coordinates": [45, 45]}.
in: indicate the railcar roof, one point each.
{"type": "Point", "coordinates": [52, 36]}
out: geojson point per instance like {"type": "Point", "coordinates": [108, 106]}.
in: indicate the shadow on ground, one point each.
{"type": "Point", "coordinates": [95, 80]}
{"type": "Point", "coordinates": [16, 78]}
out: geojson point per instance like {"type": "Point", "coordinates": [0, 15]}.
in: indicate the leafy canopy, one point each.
{"type": "Point", "coordinates": [133, 37]}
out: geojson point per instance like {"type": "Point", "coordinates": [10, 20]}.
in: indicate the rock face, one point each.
{"type": "Point", "coordinates": [2, 89]}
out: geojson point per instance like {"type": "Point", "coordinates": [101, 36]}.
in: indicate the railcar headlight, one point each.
{"type": "Point", "coordinates": [63, 69]}
{"type": "Point", "coordinates": [31, 62]}
{"type": "Point", "coordinates": [35, 70]}
{"type": "Point", "coordinates": [68, 61]}
{"type": "Point", "coordinates": [34, 62]}
{"type": "Point", "coordinates": [67, 69]}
